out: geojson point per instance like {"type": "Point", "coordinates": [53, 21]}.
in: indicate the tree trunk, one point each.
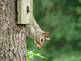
{"type": "Point", "coordinates": [12, 36]}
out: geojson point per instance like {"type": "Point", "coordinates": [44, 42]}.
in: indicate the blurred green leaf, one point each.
{"type": "Point", "coordinates": [78, 10]}
{"type": "Point", "coordinates": [79, 1]}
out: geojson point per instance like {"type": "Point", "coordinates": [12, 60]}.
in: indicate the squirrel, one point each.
{"type": "Point", "coordinates": [37, 34]}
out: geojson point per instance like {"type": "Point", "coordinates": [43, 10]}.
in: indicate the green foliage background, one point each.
{"type": "Point", "coordinates": [62, 19]}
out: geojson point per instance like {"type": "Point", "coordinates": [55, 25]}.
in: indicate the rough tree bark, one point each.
{"type": "Point", "coordinates": [12, 36]}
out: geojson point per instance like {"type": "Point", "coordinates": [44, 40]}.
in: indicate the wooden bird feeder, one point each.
{"type": "Point", "coordinates": [24, 11]}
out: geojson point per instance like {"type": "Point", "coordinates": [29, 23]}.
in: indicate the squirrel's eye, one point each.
{"type": "Point", "coordinates": [42, 40]}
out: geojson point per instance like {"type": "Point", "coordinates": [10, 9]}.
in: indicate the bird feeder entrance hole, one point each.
{"type": "Point", "coordinates": [23, 11]}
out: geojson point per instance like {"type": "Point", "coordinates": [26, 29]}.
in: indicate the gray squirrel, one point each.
{"type": "Point", "coordinates": [37, 33]}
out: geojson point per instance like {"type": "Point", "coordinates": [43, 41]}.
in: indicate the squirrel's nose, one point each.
{"type": "Point", "coordinates": [39, 46]}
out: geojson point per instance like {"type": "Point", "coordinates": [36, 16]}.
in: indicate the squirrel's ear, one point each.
{"type": "Point", "coordinates": [46, 34]}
